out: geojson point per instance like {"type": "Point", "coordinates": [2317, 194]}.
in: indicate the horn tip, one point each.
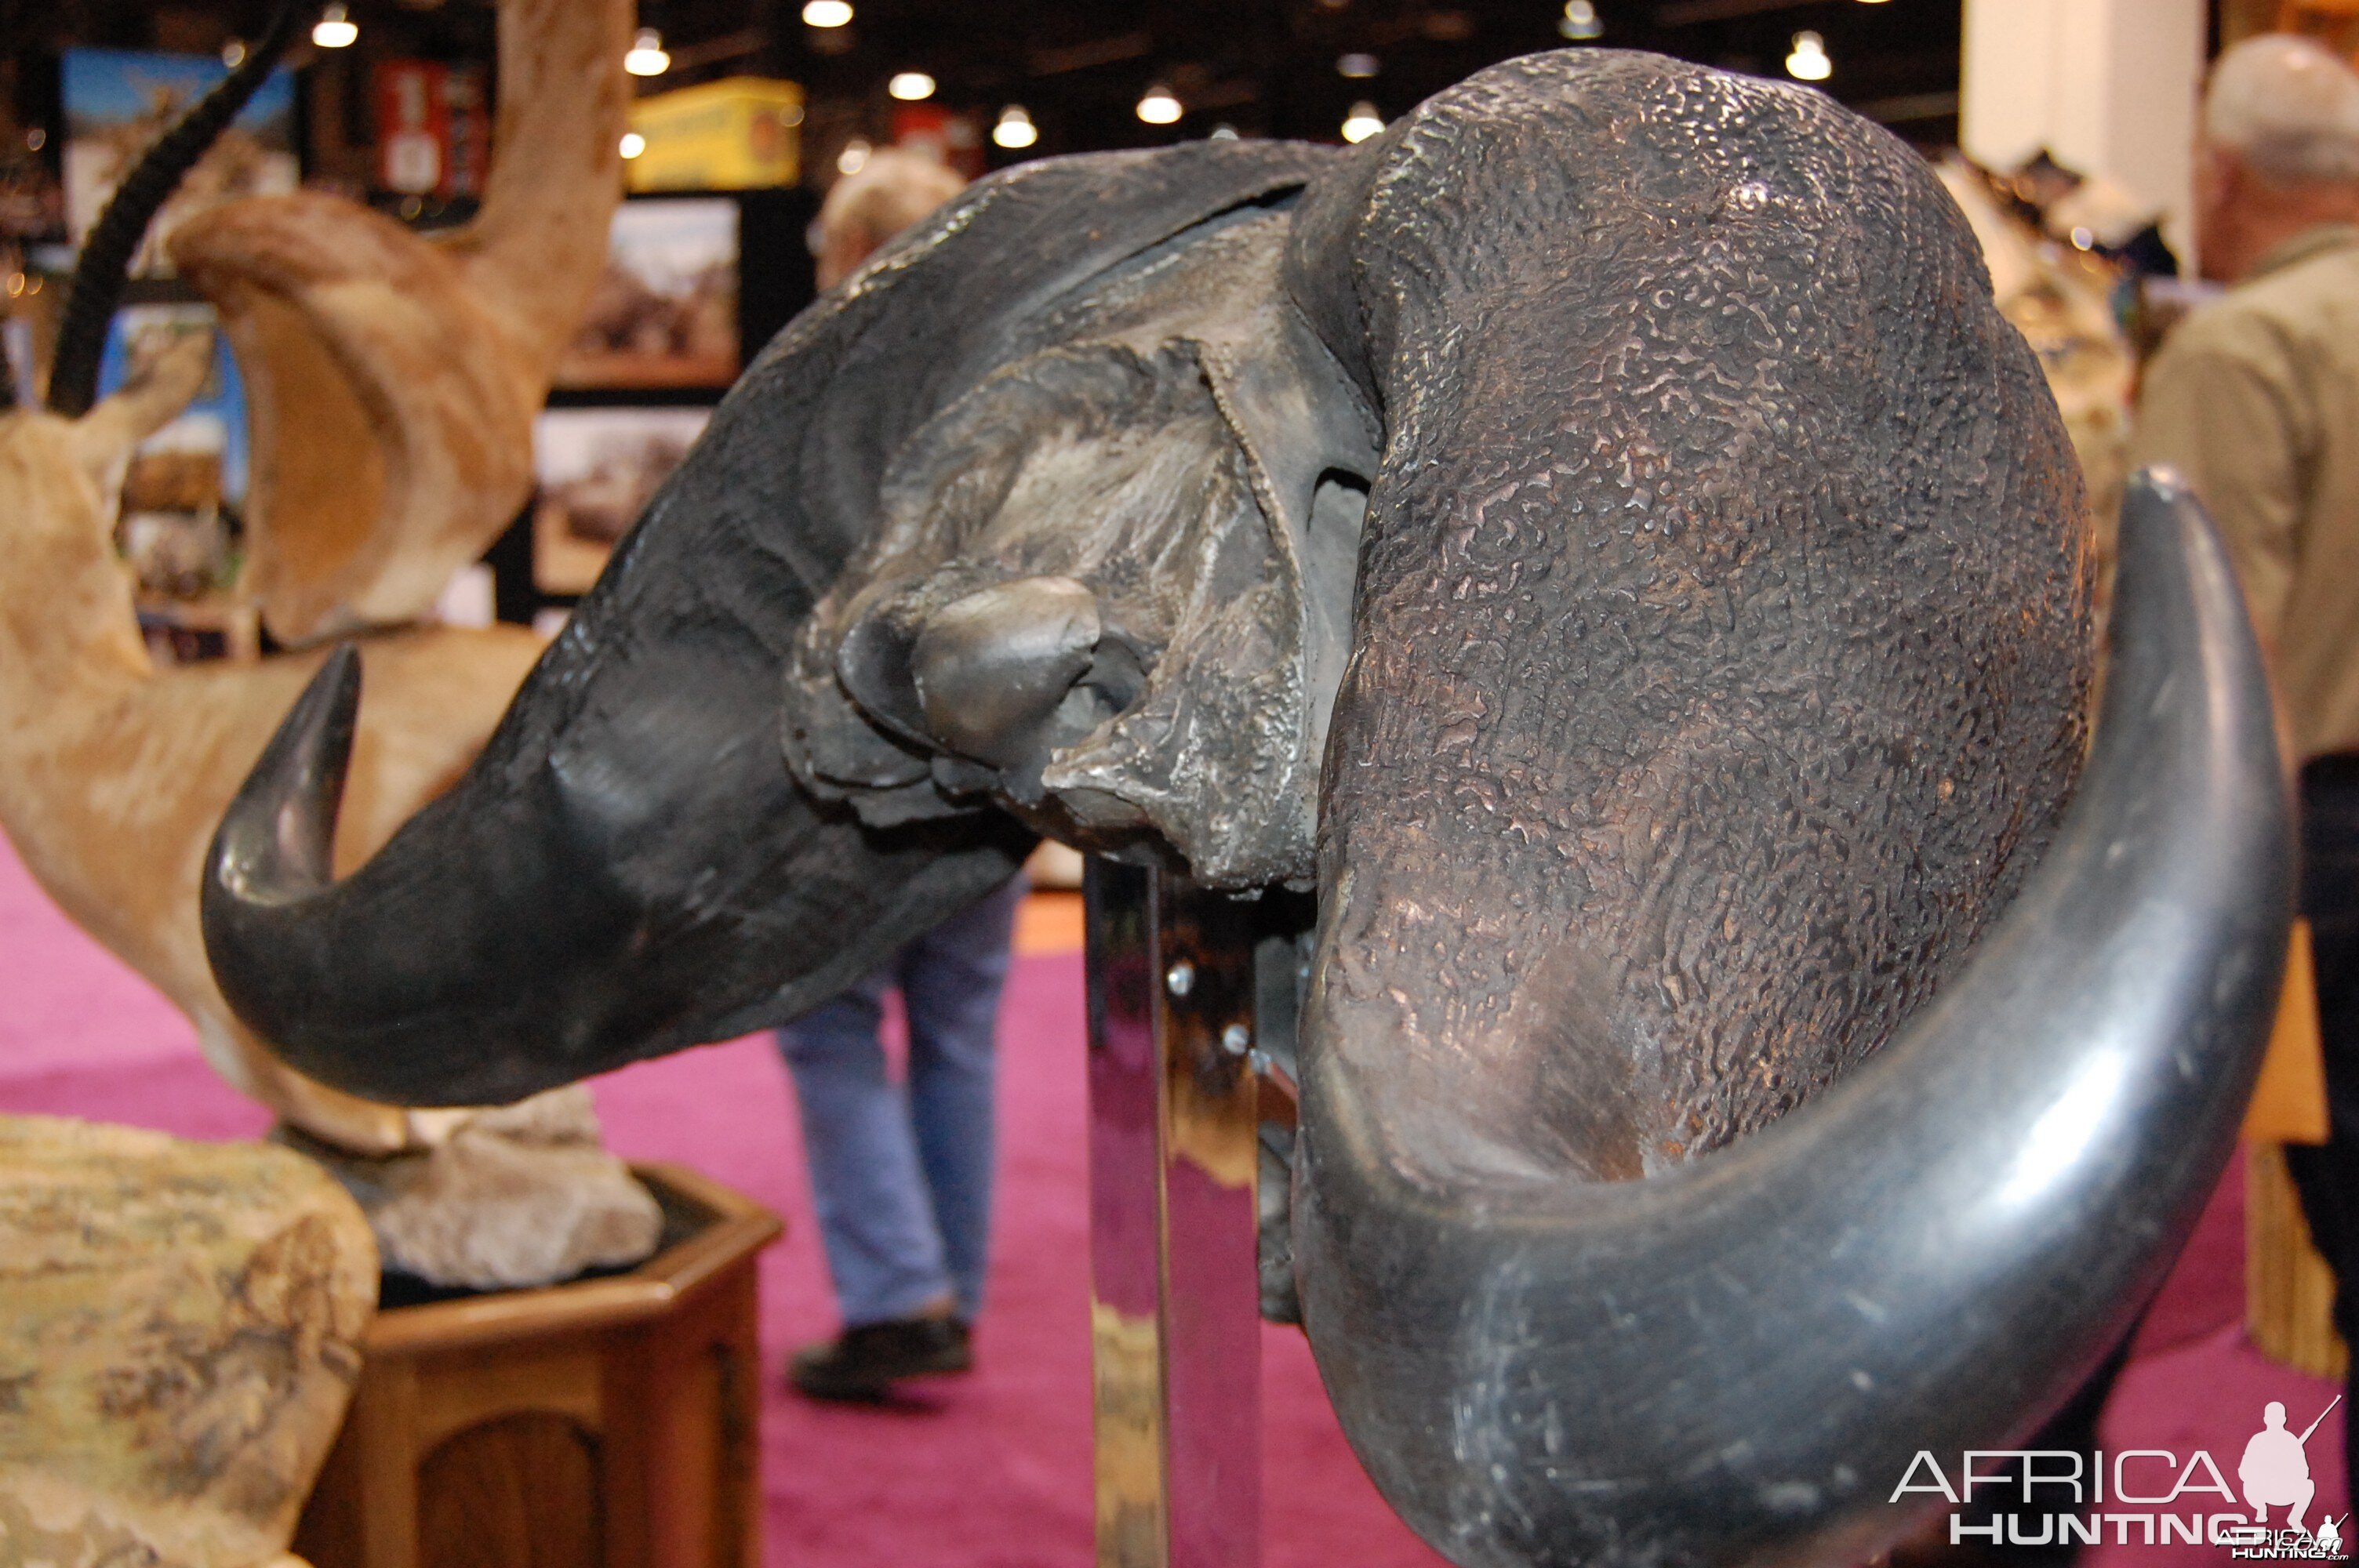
{"type": "Point", "coordinates": [274, 840]}
{"type": "Point", "coordinates": [2161, 482]}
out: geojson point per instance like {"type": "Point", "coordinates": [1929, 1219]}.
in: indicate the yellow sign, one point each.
{"type": "Point", "coordinates": [735, 135]}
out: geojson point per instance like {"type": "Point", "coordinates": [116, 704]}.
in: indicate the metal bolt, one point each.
{"type": "Point", "coordinates": [1236, 1038]}
{"type": "Point", "coordinates": [1180, 979]}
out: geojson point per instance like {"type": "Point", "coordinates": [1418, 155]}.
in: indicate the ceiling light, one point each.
{"type": "Point", "coordinates": [647, 56]}
{"type": "Point", "coordinates": [1014, 130]}
{"type": "Point", "coordinates": [1223, 132]}
{"type": "Point", "coordinates": [826, 13]}
{"type": "Point", "coordinates": [1809, 60]}
{"type": "Point", "coordinates": [1362, 123]}
{"type": "Point", "coordinates": [853, 158]}
{"type": "Point", "coordinates": [909, 86]}
{"type": "Point", "coordinates": [634, 144]}
{"type": "Point", "coordinates": [1358, 66]}
{"type": "Point", "coordinates": [1580, 21]}
{"type": "Point", "coordinates": [1158, 107]}
{"type": "Point", "coordinates": [335, 29]}
{"type": "Point", "coordinates": [233, 53]}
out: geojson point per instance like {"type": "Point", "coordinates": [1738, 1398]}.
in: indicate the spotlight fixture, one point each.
{"type": "Point", "coordinates": [647, 56]}
{"type": "Point", "coordinates": [335, 29]}
{"type": "Point", "coordinates": [853, 158]}
{"type": "Point", "coordinates": [634, 144]}
{"type": "Point", "coordinates": [1014, 130]}
{"type": "Point", "coordinates": [233, 53]}
{"type": "Point", "coordinates": [1580, 21]}
{"type": "Point", "coordinates": [1157, 106]}
{"type": "Point", "coordinates": [826, 13]}
{"type": "Point", "coordinates": [1809, 60]}
{"type": "Point", "coordinates": [1356, 67]}
{"type": "Point", "coordinates": [1223, 132]}
{"type": "Point", "coordinates": [1363, 122]}
{"type": "Point", "coordinates": [910, 86]}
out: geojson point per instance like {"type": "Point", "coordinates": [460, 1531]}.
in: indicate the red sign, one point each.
{"type": "Point", "coordinates": [433, 135]}
{"type": "Point", "coordinates": [947, 138]}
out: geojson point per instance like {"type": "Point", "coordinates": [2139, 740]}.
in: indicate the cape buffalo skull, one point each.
{"type": "Point", "coordinates": [1600, 534]}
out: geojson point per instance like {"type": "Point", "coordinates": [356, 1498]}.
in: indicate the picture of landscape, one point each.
{"type": "Point", "coordinates": [665, 313]}
{"type": "Point", "coordinates": [119, 101]}
{"type": "Point", "coordinates": [178, 528]}
{"type": "Point", "coordinates": [596, 468]}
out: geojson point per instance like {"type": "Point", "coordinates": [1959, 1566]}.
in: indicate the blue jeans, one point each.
{"type": "Point", "coordinates": [901, 1176]}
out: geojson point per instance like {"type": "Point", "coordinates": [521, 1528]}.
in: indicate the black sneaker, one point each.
{"type": "Point", "coordinates": [862, 1364]}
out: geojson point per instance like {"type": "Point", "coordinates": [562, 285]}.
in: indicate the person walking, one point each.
{"type": "Point", "coordinates": [2254, 400]}
{"type": "Point", "coordinates": [901, 1173]}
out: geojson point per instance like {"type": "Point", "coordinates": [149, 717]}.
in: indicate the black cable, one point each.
{"type": "Point", "coordinates": [105, 265]}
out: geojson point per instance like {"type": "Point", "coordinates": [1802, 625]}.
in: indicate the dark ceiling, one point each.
{"type": "Point", "coordinates": [1267, 67]}
{"type": "Point", "coordinates": [1263, 67]}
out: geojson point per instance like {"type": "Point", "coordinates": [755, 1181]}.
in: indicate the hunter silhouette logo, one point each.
{"type": "Point", "coordinates": [2138, 1496]}
{"type": "Point", "coordinates": [2275, 1467]}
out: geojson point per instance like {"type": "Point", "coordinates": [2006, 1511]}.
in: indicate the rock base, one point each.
{"type": "Point", "coordinates": [516, 1197]}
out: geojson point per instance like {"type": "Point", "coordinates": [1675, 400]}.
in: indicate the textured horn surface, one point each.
{"type": "Point", "coordinates": [1719, 675]}
{"type": "Point", "coordinates": [1736, 1361]}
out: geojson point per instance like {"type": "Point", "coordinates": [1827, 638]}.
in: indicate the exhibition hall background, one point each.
{"type": "Point", "coordinates": [995, 1470]}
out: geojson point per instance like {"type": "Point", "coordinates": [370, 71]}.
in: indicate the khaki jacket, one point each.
{"type": "Point", "coordinates": [2255, 400]}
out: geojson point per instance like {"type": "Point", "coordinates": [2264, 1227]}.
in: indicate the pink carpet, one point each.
{"type": "Point", "coordinates": [995, 1470]}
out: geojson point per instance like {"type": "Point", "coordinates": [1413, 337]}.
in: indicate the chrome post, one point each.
{"type": "Point", "coordinates": [1175, 1329]}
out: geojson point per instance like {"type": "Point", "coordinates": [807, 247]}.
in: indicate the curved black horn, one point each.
{"type": "Point", "coordinates": [1718, 685]}
{"type": "Point", "coordinates": [559, 913]}
{"type": "Point", "coordinates": [629, 867]}
{"type": "Point", "coordinates": [1737, 1361]}
{"type": "Point", "coordinates": [113, 240]}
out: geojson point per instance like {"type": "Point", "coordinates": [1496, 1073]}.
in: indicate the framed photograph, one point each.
{"type": "Point", "coordinates": [596, 469]}
{"type": "Point", "coordinates": [119, 101]}
{"type": "Point", "coordinates": [664, 312]}
{"type": "Point", "coordinates": [178, 528]}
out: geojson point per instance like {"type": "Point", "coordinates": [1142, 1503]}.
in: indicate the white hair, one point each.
{"type": "Point", "coordinates": [888, 194]}
{"type": "Point", "coordinates": [2289, 107]}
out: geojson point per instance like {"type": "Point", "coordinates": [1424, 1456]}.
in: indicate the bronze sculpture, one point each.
{"type": "Point", "coordinates": [1600, 534]}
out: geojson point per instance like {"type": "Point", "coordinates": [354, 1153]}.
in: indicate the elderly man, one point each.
{"type": "Point", "coordinates": [2255, 399]}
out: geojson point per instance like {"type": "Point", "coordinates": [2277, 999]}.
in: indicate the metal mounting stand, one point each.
{"type": "Point", "coordinates": [1192, 1000]}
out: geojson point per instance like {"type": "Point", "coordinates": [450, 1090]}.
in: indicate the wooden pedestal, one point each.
{"type": "Point", "coordinates": [607, 1424]}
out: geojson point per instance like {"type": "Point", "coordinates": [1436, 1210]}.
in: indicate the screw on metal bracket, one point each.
{"type": "Point", "coordinates": [1236, 1038]}
{"type": "Point", "coordinates": [1181, 978]}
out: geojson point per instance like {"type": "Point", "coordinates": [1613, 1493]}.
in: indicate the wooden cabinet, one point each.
{"type": "Point", "coordinates": [607, 1424]}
